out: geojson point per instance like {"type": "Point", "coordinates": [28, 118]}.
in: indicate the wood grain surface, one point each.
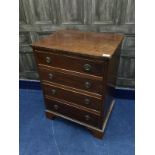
{"type": "Point", "coordinates": [73, 97]}
{"type": "Point", "coordinates": [86, 43]}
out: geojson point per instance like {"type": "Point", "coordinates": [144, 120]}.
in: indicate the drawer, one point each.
{"type": "Point", "coordinates": [73, 97]}
{"type": "Point", "coordinates": [71, 63]}
{"type": "Point", "coordinates": [72, 112]}
{"type": "Point", "coordinates": [73, 80]}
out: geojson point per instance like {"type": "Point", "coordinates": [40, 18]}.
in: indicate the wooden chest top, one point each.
{"type": "Point", "coordinates": [81, 43]}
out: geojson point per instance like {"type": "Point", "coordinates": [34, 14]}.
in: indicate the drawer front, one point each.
{"type": "Point", "coordinates": [74, 81]}
{"type": "Point", "coordinates": [74, 97]}
{"type": "Point", "coordinates": [71, 63]}
{"type": "Point", "coordinates": [72, 112]}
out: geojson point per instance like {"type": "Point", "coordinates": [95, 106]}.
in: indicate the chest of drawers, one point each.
{"type": "Point", "coordinates": [76, 69]}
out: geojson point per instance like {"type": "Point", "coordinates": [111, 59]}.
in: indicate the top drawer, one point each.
{"type": "Point", "coordinates": [70, 63]}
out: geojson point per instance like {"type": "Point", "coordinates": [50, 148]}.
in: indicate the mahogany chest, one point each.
{"type": "Point", "coordinates": [76, 69]}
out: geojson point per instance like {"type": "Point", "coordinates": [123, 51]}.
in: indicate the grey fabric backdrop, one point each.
{"type": "Point", "coordinates": [38, 18]}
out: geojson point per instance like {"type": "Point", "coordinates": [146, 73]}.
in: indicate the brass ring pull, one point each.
{"type": "Point", "coordinates": [87, 84]}
{"type": "Point", "coordinates": [56, 107]}
{"type": "Point", "coordinates": [53, 91]}
{"type": "Point", "coordinates": [48, 60]}
{"type": "Point", "coordinates": [50, 76]}
{"type": "Point", "coordinates": [87, 67]}
{"type": "Point", "coordinates": [87, 101]}
{"type": "Point", "coordinates": [87, 117]}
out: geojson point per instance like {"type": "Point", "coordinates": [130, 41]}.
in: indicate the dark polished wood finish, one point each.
{"type": "Point", "coordinates": [73, 112]}
{"type": "Point", "coordinates": [74, 80]}
{"type": "Point", "coordinates": [63, 61]}
{"type": "Point", "coordinates": [75, 70]}
{"type": "Point", "coordinates": [97, 134]}
{"type": "Point", "coordinates": [82, 43]}
{"type": "Point", "coordinates": [93, 103]}
{"type": "Point", "coordinates": [50, 115]}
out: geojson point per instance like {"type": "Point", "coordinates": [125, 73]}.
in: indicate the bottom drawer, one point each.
{"type": "Point", "coordinates": [72, 112]}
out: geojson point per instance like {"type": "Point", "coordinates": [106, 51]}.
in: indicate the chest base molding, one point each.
{"type": "Point", "coordinates": [98, 133]}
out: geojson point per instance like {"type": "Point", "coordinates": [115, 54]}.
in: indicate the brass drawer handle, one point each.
{"type": "Point", "coordinates": [48, 60]}
{"type": "Point", "coordinates": [87, 67]}
{"type": "Point", "coordinates": [87, 117]}
{"type": "Point", "coordinates": [53, 91]}
{"type": "Point", "coordinates": [56, 107]}
{"type": "Point", "coordinates": [87, 101]}
{"type": "Point", "coordinates": [87, 84]}
{"type": "Point", "coordinates": [50, 76]}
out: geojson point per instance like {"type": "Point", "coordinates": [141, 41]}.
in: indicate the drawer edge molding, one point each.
{"type": "Point", "coordinates": [71, 89]}
{"type": "Point", "coordinates": [71, 72]}
{"type": "Point", "coordinates": [71, 55]}
{"type": "Point", "coordinates": [71, 104]}
{"type": "Point", "coordinates": [98, 96]}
